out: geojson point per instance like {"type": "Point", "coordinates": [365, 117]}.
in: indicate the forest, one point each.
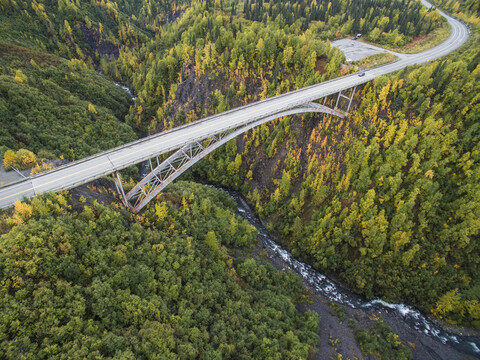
{"type": "Point", "coordinates": [385, 201]}
{"type": "Point", "coordinates": [55, 107]}
{"type": "Point", "coordinates": [100, 282]}
{"type": "Point", "coordinates": [385, 22]}
{"type": "Point", "coordinates": [244, 60]}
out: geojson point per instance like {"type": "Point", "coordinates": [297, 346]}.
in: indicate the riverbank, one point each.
{"type": "Point", "coordinates": [338, 337]}
{"type": "Point", "coordinates": [350, 313]}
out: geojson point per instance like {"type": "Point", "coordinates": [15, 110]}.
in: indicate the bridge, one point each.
{"type": "Point", "coordinates": [193, 141]}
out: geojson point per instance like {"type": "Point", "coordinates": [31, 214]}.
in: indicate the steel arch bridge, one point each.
{"type": "Point", "coordinates": [185, 157]}
{"type": "Point", "coordinates": [194, 140]}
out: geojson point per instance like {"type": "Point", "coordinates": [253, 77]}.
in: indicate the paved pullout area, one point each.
{"type": "Point", "coordinates": [356, 50]}
{"type": "Point", "coordinates": [11, 176]}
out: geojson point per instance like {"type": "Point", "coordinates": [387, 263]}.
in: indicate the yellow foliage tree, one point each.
{"type": "Point", "coordinates": [23, 212]}
{"type": "Point", "coordinates": [92, 109]}
{"type": "Point", "coordinates": [22, 159]}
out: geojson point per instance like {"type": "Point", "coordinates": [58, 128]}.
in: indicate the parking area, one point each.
{"type": "Point", "coordinates": [356, 50]}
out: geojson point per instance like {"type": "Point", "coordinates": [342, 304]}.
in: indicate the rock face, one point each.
{"type": "Point", "coordinates": [93, 39]}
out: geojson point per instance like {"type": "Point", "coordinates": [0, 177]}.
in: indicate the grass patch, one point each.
{"type": "Point", "coordinates": [426, 42]}
{"type": "Point", "coordinates": [375, 60]}
{"type": "Point", "coordinates": [421, 43]}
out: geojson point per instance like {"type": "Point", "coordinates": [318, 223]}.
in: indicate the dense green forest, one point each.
{"type": "Point", "coordinates": [468, 10]}
{"type": "Point", "coordinates": [386, 22]}
{"type": "Point", "coordinates": [70, 29]}
{"type": "Point", "coordinates": [240, 60]}
{"type": "Point", "coordinates": [387, 200]}
{"type": "Point", "coordinates": [58, 107]}
{"type": "Point", "coordinates": [103, 283]}
{"type": "Point", "coordinates": [156, 54]}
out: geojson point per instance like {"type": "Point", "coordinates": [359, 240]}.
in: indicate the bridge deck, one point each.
{"type": "Point", "coordinates": [96, 166]}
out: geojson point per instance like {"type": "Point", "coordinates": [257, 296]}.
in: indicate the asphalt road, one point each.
{"type": "Point", "coordinates": [96, 166]}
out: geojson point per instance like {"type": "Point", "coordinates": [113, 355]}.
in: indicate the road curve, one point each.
{"type": "Point", "coordinates": [107, 162]}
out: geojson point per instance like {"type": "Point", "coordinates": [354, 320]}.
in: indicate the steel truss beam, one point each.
{"type": "Point", "coordinates": [349, 98]}
{"type": "Point", "coordinates": [168, 170]}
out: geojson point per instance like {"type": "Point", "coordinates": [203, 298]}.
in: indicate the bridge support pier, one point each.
{"type": "Point", "coordinates": [118, 184]}
{"type": "Point", "coordinates": [349, 98]}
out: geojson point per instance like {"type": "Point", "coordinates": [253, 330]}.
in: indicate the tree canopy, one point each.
{"type": "Point", "coordinates": [103, 283]}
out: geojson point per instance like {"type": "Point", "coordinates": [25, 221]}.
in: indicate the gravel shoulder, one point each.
{"type": "Point", "coordinates": [8, 177]}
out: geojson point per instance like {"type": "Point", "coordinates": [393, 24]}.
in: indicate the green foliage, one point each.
{"type": "Point", "coordinates": [467, 10]}
{"type": "Point", "coordinates": [194, 212]}
{"type": "Point", "coordinates": [386, 200]}
{"type": "Point", "coordinates": [383, 343]}
{"type": "Point", "coordinates": [86, 30]}
{"type": "Point", "coordinates": [459, 308]}
{"type": "Point", "coordinates": [211, 240]}
{"type": "Point", "coordinates": [339, 310]}
{"type": "Point", "coordinates": [103, 283]}
{"type": "Point", "coordinates": [391, 22]}
{"type": "Point", "coordinates": [242, 60]}
{"type": "Point", "coordinates": [48, 107]}
{"type": "Point", "coordinates": [392, 195]}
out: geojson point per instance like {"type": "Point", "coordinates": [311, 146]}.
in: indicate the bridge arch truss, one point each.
{"type": "Point", "coordinates": [185, 157]}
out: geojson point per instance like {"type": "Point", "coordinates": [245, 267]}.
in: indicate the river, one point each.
{"type": "Point", "coordinates": [327, 288]}
{"type": "Point", "coordinates": [126, 89]}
